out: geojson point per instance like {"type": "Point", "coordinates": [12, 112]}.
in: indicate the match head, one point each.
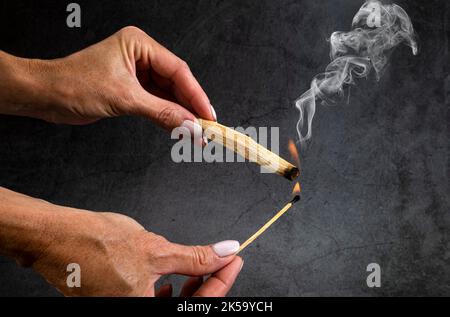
{"type": "Point", "coordinates": [295, 199]}
{"type": "Point", "coordinates": [291, 173]}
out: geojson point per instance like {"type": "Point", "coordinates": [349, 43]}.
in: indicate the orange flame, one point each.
{"type": "Point", "coordinates": [297, 189]}
{"type": "Point", "coordinates": [294, 153]}
{"type": "Point", "coordinates": [295, 156]}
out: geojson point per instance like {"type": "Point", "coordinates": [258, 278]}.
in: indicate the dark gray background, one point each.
{"type": "Point", "coordinates": [375, 176]}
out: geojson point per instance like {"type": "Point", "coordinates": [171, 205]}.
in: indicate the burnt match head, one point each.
{"type": "Point", "coordinates": [295, 199]}
{"type": "Point", "coordinates": [291, 173]}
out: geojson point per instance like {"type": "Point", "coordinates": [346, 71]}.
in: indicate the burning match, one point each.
{"type": "Point", "coordinates": [248, 148]}
{"type": "Point", "coordinates": [275, 218]}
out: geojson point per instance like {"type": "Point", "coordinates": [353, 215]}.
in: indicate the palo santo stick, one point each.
{"type": "Point", "coordinates": [268, 224]}
{"type": "Point", "coordinates": [248, 148]}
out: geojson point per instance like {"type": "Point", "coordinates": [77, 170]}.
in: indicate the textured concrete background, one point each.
{"type": "Point", "coordinates": [375, 175]}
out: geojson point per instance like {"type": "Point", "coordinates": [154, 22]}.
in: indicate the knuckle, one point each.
{"type": "Point", "coordinates": [201, 256]}
{"type": "Point", "coordinates": [158, 245]}
{"type": "Point", "coordinates": [222, 282]}
{"type": "Point", "coordinates": [184, 65]}
{"type": "Point", "coordinates": [167, 117]}
{"type": "Point", "coordinates": [131, 30]}
{"type": "Point", "coordinates": [157, 239]}
{"type": "Point", "coordinates": [133, 33]}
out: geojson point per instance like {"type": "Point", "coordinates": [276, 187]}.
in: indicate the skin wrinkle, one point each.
{"type": "Point", "coordinates": [131, 54]}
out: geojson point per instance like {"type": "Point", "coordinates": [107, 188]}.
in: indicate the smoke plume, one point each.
{"type": "Point", "coordinates": [376, 29]}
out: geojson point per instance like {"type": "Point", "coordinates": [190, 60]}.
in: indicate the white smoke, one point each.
{"type": "Point", "coordinates": [376, 30]}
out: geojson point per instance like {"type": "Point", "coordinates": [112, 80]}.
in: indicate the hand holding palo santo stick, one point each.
{"type": "Point", "coordinates": [248, 148]}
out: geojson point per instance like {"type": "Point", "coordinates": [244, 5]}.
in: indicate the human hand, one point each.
{"type": "Point", "coordinates": [128, 73]}
{"type": "Point", "coordinates": [118, 257]}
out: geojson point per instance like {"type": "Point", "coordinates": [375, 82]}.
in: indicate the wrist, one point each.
{"type": "Point", "coordinates": [27, 226]}
{"type": "Point", "coordinates": [29, 87]}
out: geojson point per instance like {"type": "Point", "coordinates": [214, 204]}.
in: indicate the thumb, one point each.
{"type": "Point", "coordinates": [165, 113]}
{"type": "Point", "coordinates": [198, 260]}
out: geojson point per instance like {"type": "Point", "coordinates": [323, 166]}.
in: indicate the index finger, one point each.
{"type": "Point", "coordinates": [170, 66]}
{"type": "Point", "coordinates": [220, 283]}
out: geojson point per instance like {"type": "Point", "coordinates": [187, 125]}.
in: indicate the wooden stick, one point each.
{"type": "Point", "coordinates": [248, 148]}
{"type": "Point", "coordinates": [268, 224]}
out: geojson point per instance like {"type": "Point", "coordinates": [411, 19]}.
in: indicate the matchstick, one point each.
{"type": "Point", "coordinates": [269, 223]}
{"type": "Point", "coordinates": [248, 148]}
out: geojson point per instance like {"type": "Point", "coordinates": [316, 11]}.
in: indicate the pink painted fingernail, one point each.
{"type": "Point", "coordinates": [226, 248]}
{"type": "Point", "coordinates": [213, 112]}
{"type": "Point", "coordinates": [196, 131]}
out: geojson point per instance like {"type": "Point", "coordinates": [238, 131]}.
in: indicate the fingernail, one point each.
{"type": "Point", "coordinates": [193, 127]}
{"type": "Point", "coordinates": [226, 248]}
{"type": "Point", "coordinates": [213, 112]}
{"type": "Point", "coordinates": [242, 265]}
{"type": "Point", "coordinates": [196, 131]}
